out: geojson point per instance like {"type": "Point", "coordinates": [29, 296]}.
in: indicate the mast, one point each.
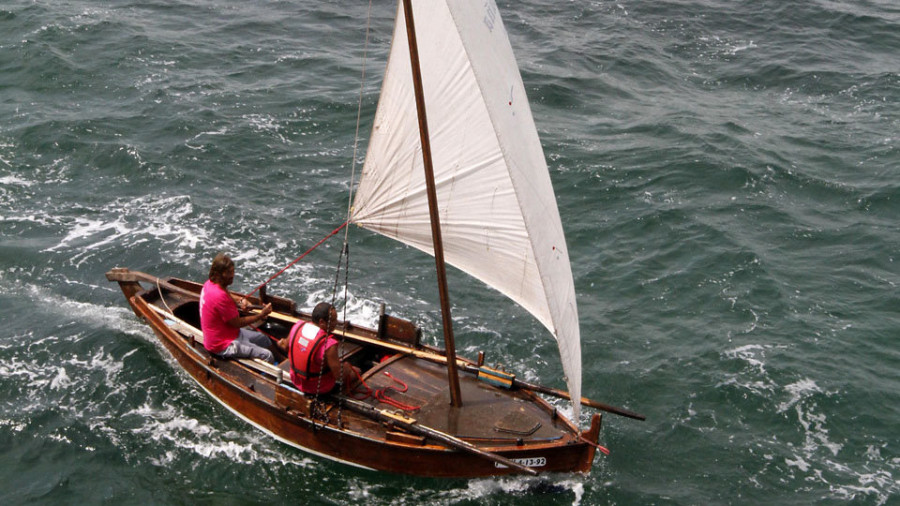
{"type": "Point", "coordinates": [453, 376]}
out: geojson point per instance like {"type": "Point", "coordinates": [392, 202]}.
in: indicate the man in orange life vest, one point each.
{"type": "Point", "coordinates": [313, 352]}
{"type": "Point", "coordinates": [222, 323]}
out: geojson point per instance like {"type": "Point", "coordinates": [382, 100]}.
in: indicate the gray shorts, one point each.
{"type": "Point", "coordinates": [250, 344]}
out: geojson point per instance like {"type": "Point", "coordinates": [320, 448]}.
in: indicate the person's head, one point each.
{"type": "Point", "coordinates": [221, 271]}
{"type": "Point", "coordinates": [324, 315]}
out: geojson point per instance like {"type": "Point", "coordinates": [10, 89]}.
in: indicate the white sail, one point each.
{"type": "Point", "coordinates": [498, 213]}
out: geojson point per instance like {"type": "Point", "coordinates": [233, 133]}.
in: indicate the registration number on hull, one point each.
{"type": "Point", "coordinates": [529, 462]}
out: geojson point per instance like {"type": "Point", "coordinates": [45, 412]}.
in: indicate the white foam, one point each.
{"type": "Point", "coordinates": [753, 354]}
{"type": "Point", "coordinates": [483, 489]}
{"type": "Point", "coordinates": [190, 143]}
{"type": "Point", "coordinates": [798, 391]}
{"type": "Point", "coordinates": [12, 180]}
{"type": "Point", "coordinates": [47, 302]}
{"type": "Point", "coordinates": [185, 437]}
{"type": "Point", "coordinates": [742, 47]}
{"type": "Point", "coordinates": [845, 481]}
{"type": "Point", "coordinates": [799, 463]}
{"type": "Point", "coordinates": [758, 381]}
{"type": "Point", "coordinates": [61, 380]}
{"type": "Point", "coordinates": [812, 422]}
{"type": "Point", "coordinates": [29, 373]}
{"type": "Point", "coordinates": [267, 123]}
{"type": "Point", "coordinates": [360, 311]}
{"type": "Point", "coordinates": [166, 220]}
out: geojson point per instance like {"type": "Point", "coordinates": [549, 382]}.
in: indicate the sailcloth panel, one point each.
{"type": "Point", "coordinates": [498, 213]}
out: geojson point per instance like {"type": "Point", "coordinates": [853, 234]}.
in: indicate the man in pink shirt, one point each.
{"type": "Point", "coordinates": [222, 324]}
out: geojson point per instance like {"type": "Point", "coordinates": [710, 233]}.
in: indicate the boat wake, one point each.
{"type": "Point", "coordinates": [108, 390]}
{"type": "Point", "coordinates": [556, 490]}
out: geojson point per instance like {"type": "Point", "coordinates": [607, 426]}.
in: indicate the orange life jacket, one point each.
{"type": "Point", "coordinates": [305, 340]}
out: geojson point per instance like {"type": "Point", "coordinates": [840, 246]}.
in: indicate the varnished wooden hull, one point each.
{"type": "Point", "coordinates": [257, 395]}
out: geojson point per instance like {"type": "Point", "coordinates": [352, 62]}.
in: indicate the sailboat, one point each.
{"type": "Point", "coordinates": [454, 168]}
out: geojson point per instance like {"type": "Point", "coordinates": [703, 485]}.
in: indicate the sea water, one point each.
{"type": "Point", "coordinates": [729, 183]}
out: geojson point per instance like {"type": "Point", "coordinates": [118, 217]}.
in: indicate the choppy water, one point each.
{"type": "Point", "coordinates": [728, 176]}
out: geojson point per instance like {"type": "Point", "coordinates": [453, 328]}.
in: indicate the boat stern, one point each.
{"type": "Point", "coordinates": [592, 437]}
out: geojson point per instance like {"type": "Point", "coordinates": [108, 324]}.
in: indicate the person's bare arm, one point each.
{"type": "Point", "coordinates": [334, 364]}
{"type": "Point", "coordinates": [243, 321]}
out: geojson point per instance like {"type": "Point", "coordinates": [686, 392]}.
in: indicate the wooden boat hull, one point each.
{"type": "Point", "coordinates": [263, 396]}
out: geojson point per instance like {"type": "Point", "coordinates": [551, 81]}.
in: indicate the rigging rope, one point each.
{"type": "Point", "coordinates": [353, 164]}
{"type": "Point", "coordinates": [337, 276]}
{"type": "Point", "coordinates": [346, 247]}
{"type": "Point", "coordinates": [362, 86]}
{"type": "Point", "coordinates": [340, 374]}
{"type": "Point", "coordinates": [279, 273]}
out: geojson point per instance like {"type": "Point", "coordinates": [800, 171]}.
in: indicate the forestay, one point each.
{"type": "Point", "coordinates": [498, 213]}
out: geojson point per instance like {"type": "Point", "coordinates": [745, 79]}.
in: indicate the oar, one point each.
{"type": "Point", "coordinates": [413, 426]}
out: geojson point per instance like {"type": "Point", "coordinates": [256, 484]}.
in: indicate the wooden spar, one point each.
{"type": "Point", "coordinates": [449, 344]}
{"type": "Point", "coordinates": [584, 400]}
{"type": "Point", "coordinates": [412, 426]}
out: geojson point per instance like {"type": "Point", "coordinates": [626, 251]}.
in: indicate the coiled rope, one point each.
{"type": "Point", "coordinates": [380, 394]}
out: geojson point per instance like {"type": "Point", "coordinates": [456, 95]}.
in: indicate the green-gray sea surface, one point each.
{"type": "Point", "coordinates": [728, 177]}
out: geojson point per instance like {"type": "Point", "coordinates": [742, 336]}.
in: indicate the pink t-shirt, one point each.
{"type": "Point", "coordinates": [216, 308]}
